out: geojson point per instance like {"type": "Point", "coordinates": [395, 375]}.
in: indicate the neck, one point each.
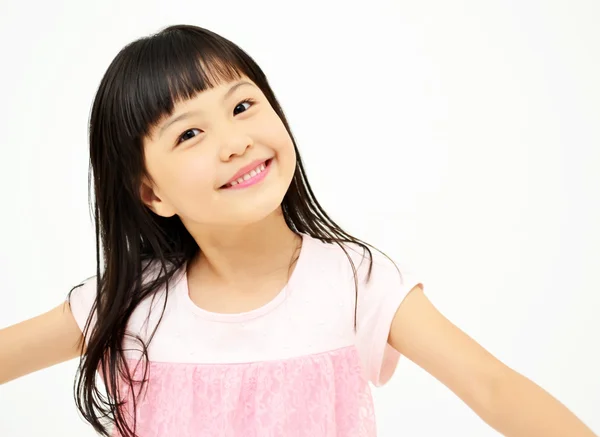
{"type": "Point", "coordinates": [235, 255]}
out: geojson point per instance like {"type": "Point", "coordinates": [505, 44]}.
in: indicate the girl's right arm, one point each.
{"type": "Point", "coordinates": [40, 342]}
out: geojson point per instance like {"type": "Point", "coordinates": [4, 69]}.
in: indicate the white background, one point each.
{"type": "Point", "coordinates": [461, 137]}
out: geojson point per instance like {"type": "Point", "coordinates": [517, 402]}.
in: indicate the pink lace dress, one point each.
{"type": "Point", "coordinates": [294, 367]}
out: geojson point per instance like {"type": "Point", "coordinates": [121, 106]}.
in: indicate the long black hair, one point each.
{"type": "Point", "coordinates": [140, 87]}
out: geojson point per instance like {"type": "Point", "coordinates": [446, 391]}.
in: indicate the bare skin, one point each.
{"type": "Point", "coordinates": [37, 343]}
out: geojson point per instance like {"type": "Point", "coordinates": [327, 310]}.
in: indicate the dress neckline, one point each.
{"type": "Point", "coordinates": [280, 297]}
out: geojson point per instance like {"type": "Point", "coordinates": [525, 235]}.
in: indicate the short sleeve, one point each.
{"type": "Point", "coordinates": [378, 301]}
{"type": "Point", "coordinates": [81, 300]}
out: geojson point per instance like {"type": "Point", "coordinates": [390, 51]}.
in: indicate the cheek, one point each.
{"type": "Point", "coordinates": [191, 182]}
{"type": "Point", "coordinates": [276, 136]}
{"type": "Point", "coordinates": [194, 176]}
{"type": "Point", "coordinates": [285, 152]}
{"type": "Point", "coordinates": [279, 140]}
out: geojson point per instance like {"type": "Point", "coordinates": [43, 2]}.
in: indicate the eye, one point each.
{"type": "Point", "coordinates": [186, 135]}
{"type": "Point", "coordinates": [249, 101]}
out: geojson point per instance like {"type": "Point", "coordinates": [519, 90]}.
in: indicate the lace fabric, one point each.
{"type": "Point", "coordinates": [321, 395]}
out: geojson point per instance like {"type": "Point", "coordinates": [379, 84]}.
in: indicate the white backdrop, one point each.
{"type": "Point", "coordinates": [460, 137]}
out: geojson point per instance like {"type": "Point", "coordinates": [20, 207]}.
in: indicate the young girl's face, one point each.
{"type": "Point", "coordinates": [192, 154]}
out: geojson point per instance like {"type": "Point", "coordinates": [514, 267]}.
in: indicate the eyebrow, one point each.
{"type": "Point", "coordinates": [190, 113]}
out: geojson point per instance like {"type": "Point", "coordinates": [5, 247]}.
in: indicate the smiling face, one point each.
{"type": "Point", "coordinates": [193, 154]}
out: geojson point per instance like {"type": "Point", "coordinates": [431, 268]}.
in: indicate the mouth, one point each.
{"type": "Point", "coordinates": [251, 177]}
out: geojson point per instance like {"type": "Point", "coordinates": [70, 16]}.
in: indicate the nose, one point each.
{"type": "Point", "coordinates": [234, 143]}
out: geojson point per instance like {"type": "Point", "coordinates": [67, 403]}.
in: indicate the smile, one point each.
{"type": "Point", "coordinates": [251, 178]}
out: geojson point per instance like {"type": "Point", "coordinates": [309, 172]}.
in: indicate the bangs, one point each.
{"type": "Point", "coordinates": [172, 66]}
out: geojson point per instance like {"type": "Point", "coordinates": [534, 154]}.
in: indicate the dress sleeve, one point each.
{"type": "Point", "coordinates": [81, 299]}
{"type": "Point", "coordinates": [378, 301]}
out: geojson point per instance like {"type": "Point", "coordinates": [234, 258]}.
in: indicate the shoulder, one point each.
{"type": "Point", "coordinates": [83, 294]}
{"type": "Point", "coordinates": [352, 259]}
{"type": "Point", "coordinates": [82, 297]}
{"type": "Point", "coordinates": [81, 300]}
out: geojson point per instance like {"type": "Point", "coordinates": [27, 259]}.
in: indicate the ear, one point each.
{"type": "Point", "coordinates": [152, 199]}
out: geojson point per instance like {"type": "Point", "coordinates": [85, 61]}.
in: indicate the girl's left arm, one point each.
{"type": "Point", "coordinates": [507, 401]}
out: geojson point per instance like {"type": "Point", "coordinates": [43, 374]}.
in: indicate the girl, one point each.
{"type": "Point", "coordinates": [226, 302]}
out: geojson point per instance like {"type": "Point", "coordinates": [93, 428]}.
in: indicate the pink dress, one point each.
{"type": "Point", "coordinates": [294, 367]}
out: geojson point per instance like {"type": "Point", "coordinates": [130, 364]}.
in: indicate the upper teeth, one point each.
{"type": "Point", "coordinates": [249, 175]}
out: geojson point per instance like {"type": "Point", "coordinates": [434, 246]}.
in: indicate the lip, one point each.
{"type": "Point", "coordinates": [242, 171]}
